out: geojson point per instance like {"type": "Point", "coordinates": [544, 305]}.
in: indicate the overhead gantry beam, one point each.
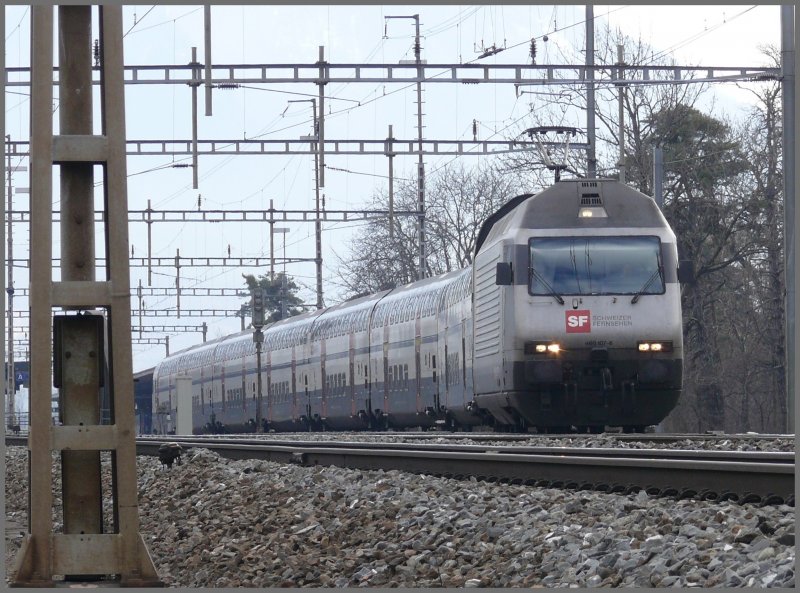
{"type": "Point", "coordinates": [224, 75]}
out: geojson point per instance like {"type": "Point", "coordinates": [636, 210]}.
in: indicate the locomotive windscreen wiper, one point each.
{"type": "Point", "coordinates": [647, 284]}
{"type": "Point", "coordinates": [575, 264]}
{"type": "Point", "coordinates": [552, 292]}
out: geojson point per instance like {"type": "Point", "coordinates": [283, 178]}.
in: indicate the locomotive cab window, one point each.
{"type": "Point", "coordinates": [595, 266]}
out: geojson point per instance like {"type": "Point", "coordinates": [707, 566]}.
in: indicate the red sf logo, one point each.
{"type": "Point", "coordinates": [579, 322]}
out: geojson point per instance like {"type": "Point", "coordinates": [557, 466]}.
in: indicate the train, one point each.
{"type": "Point", "coordinates": [568, 319]}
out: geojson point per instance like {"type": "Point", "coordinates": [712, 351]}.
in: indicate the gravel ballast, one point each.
{"type": "Point", "coordinates": [213, 522]}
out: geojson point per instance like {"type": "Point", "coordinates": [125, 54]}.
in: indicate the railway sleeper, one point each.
{"type": "Point", "coordinates": [774, 499]}
{"type": "Point", "coordinates": [708, 495]}
{"type": "Point", "coordinates": [728, 495]}
{"type": "Point", "coordinates": [616, 488]}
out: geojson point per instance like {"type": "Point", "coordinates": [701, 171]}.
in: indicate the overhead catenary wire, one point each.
{"type": "Point", "coordinates": [699, 35]}
{"type": "Point", "coordinates": [136, 22]}
{"type": "Point", "coordinates": [305, 123]}
{"type": "Point", "coordinates": [19, 24]}
{"type": "Point", "coordinates": [142, 30]}
{"type": "Point", "coordinates": [385, 94]}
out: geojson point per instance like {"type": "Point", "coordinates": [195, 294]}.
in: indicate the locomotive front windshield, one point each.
{"type": "Point", "coordinates": [595, 266]}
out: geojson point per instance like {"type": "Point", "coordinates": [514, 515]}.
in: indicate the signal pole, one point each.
{"type": "Point", "coordinates": [257, 299]}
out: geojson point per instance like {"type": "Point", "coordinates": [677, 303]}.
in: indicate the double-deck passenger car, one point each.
{"type": "Point", "coordinates": [569, 318]}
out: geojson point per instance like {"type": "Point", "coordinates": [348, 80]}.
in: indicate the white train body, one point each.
{"type": "Point", "coordinates": [461, 349]}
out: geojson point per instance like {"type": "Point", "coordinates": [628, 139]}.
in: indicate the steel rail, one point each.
{"type": "Point", "coordinates": [766, 477]}
{"type": "Point", "coordinates": [660, 437]}
{"type": "Point", "coordinates": [659, 473]}
{"type": "Point", "coordinates": [685, 454]}
{"type": "Point", "coordinates": [521, 74]}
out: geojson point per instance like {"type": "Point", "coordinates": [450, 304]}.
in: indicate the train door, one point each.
{"type": "Point", "coordinates": [436, 378]}
{"type": "Point", "coordinates": [375, 365]}
{"type": "Point", "coordinates": [377, 378]}
{"type": "Point", "coordinates": [374, 369]}
{"type": "Point", "coordinates": [468, 350]}
{"type": "Point", "coordinates": [351, 373]}
{"type": "Point", "coordinates": [202, 389]}
{"type": "Point", "coordinates": [243, 392]}
{"type": "Point", "coordinates": [296, 399]}
{"type": "Point", "coordinates": [434, 360]}
{"type": "Point", "coordinates": [322, 388]}
{"type": "Point", "coordinates": [223, 394]}
{"type": "Point", "coordinates": [171, 401]}
{"type": "Point", "coordinates": [443, 401]}
{"type": "Point", "coordinates": [386, 381]}
{"type": "Point", "coordinates": [268, 383]}
{"type": "Point", "coordinates": [453, 358]}
{"type": "Point", "coordinates": [461, 372]}
{"type": "Point", "coordinates": [417, 365]}
{"type": "Point", "coordinates": [306, 397]}
{"type": "Point", "coordinates": [360, 354]}
{"type": "Point", "coordinates": [216, 387]}
{"type": "Point", "coordinates": [305, 388]}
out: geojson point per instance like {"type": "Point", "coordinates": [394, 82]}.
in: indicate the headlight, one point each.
{"type": "Point", "coordinates": [593, 212]}
{"type": "Point", "coordinates": [542, 348]}
{"type": "Point", "coordinates": [653, 346]}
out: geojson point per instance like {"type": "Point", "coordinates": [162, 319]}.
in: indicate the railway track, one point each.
{"type": "Point", "coordinates": [744, 476]}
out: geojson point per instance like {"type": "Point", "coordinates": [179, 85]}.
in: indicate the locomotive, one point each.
{"type": "Point", "coordinates": [568, 318]}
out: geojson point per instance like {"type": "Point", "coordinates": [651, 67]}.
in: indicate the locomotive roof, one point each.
{"type": "Point", "coordinates": [557, 207]}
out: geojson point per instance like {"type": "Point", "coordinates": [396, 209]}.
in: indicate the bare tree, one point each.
{"type": "Point", "coordinates": [761, 404]}
{"type": "Point", "coordinates": [458, 200]}
{"type": "Point", "coordinates": [731, 223]}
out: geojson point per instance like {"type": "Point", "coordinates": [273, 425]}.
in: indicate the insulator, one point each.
{"type": "Point", "coordinates": [533, 50]}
